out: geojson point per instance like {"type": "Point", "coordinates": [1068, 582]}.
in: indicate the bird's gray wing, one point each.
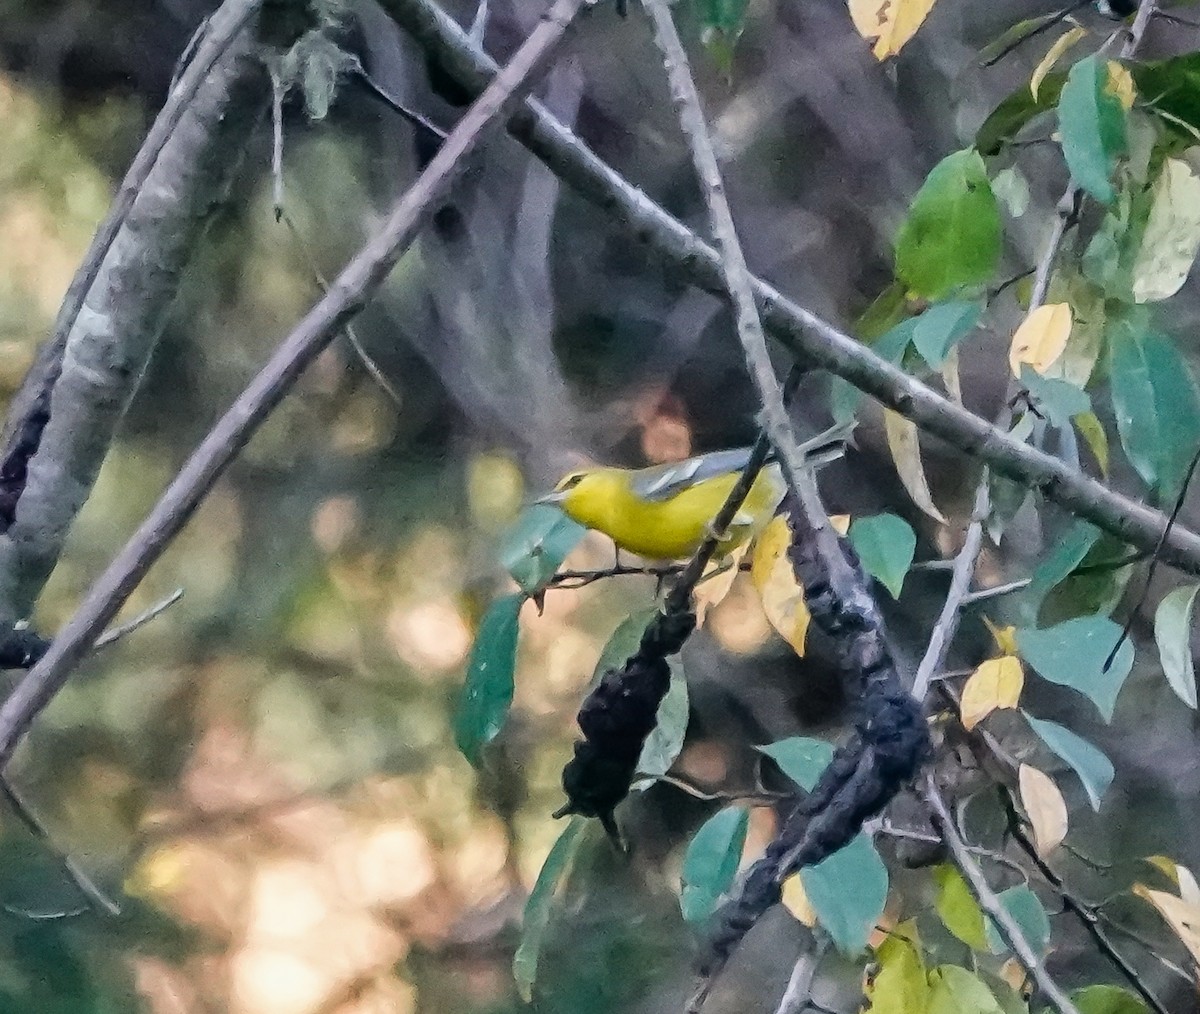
{"type": "Point", "coordinates": [664, 481]}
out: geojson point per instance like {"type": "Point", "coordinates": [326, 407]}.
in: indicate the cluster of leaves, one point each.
{"type": "Point", "coordinates": [1090, 364]}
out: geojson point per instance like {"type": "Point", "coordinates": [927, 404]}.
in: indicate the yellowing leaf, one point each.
{"type": "Point", "coordinates": [1090, 428]}
{"type": "Point", "coordinates": [1005, 637]}
{"type": "Point", "coordinates": [888, 24]}
{"type": "Point", "coordinates": [1183, 917]}
{"type": "Point", "coordinates": [1053, 55]}
{"type": "Point", "coordinates": [1172, 236]}
{"type": "Point", "coordinates": [1041, 338]}
{"type": "Point", "coordinates": [772, 575]}
{"type": "Point", "coordinates": [795, 900]}
{"type": "Point", "coordinates": [905, 445]}
{"type": "Point", "coordinates": [715, 585]}
{"type": "Point", "coordinates": [1013, 973]}
{"type": "Point", "coordinates": [1120, 84]}
{"type": "Point", "coordinates": [1180, 876]}
{"type": "Point", "coordinates": [840, 523]}
{"type": "Point", "coordinates": [1045, 807]}
{"type": "Point", "coordinates": [997, 683]}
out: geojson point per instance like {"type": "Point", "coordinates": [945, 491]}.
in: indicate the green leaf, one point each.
{"type": "Point", "coordinates": [1066, 554]}
{"type": "Point", "coordinates": [721, 25]}
{"type": "Point", "coordinates": [1030, 916]}
{"type": "Point", "coordinates": [900, 985]}
{"type": "Point", "coordinates": [1113, 250]}
{"type": "Point", "coordinates": [488, 692]}
{"type": "Point", "coordinates": [623, 642]}
{"type": "Point", "coordinates": [957, 991]}
{"type": "Point", "coordinates": [957, 908]}
{"type": "Point", "coordinates": [537, 546]}
{"type": "Point", "coordinates": [800, 758]}
{"type": "Point", "coordinates": [1091, 122]}
{"type": "Point", "coordinates": [844, 397]}
{"type": "Point", "coordinates": [1012, 190]}
{"type": "Point", "coordinates": [711, 861]}
{"type": "Point", "coordinates": [1156, 404]}
{"type": "Point", "coordinates": [943, 326]}
{"type": "Point", "coordinates": [1094, 769]}
{"type": "Point", "coordinates": [951, 238]}
{"type": "Point", "coordinates": [1058, 400]}
{"type": "Point", "coordinates": [1094, 587]}
{"type": "Point", "coordinates": [1172, 87]}
{"type": "Point", "coordinates": [665, 741]}
{"type": "Point", "coordinates": [848, 891]}
{"type": "Point", "coordinates": [537, 908]}
{"type": "Point", "coordinates": [1010, 117]}
{"type": "Point", "coordinates": [1105, 999]}
{"type": "Point", "coordinates": [885, 544]}
{"type": "Point", "coordinates": [1072, 654]}
{"type": "Point", "coordinates": [1173, 634]}
{"type": "Point", "coordinates": [1172, 235]}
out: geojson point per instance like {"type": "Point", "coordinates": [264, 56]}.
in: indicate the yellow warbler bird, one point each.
{"type": "Point", "coordinates": [664, 512]}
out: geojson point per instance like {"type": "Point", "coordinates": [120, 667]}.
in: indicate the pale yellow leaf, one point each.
{"type": "Point", "coordinates": [1120, 84]}
{"type": "Point", "coordinates": [717, 581]}
{"type": "Point", "coordinates": [997, 683]}
{"type": "Point", "coordinates": [1045, 807]}
{"type": "Point", "coordinates": [1092, 431]}
{"type": "Point", "coordinates": [1183, 917]}
{"type": "Point", "coordinates": [1172, 237]}
{"type": "Point", "coordinates": [795, 900]}
{"type": "Point", "coordinates": [888, 24]}
{"type": "Point", "coordinates": [905, 445]}
{"type": "Point", "coordinates": [1005, 637]}
{"type": "Point", "coordinates": [1041, 338]}
{"type": "Point", "coordinates": [775, 580]}
{"type": "Point", "coordinates": [1189, 890]}
{"type": "Point", "coordinates": [840, 523]}
{"type": "Point", "coordinates": [1053, 55]}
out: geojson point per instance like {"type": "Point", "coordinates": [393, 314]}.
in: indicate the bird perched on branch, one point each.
{"type": "Point", "coordinates": [665, 512]}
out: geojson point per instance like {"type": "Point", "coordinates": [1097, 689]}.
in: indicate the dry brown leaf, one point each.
{"type": "Point", "coordinates": [1045, 807]}
{"type": "Point", "coordinates": [715, 585]}
{"type": "Point", "coordinates": [772, 575]}
{"type": "Point", "coordinates": [997, 683]}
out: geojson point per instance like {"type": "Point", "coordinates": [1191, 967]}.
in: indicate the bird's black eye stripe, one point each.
{"type": "Point", "coordinates": [571, 482]}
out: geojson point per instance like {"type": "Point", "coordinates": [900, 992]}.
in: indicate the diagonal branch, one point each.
{"type": "Point", "coordinates": [806, 335]}
{"type": "Point", "coordinates": [991, 904]}
{"type": "Point", "coordinates": [349, 294]}
{"type": "Point", "coordinates": [63, 418]}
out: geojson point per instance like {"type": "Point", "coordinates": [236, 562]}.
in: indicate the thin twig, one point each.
{"type": "Point", "coordinates": [960, 586]}
{"type": "Point", "coordinates": [987, 594]}
{"type": "Point", "coordinates": [759, 796]}
{"type": "Point", "coordinates": [115, 634]}
{"type": "Point", "coordinates": [350, 332]}
{"type": "Point", "coordinates": [1147, 10]}
{"type": "Point", "coordinates": [776, 425]}
{"type": "Point", "coordinates": [96, 898]}
{"type": "Point", "coordinates": [806, 335]}
{"type": "Point", "coordinates": [1008, 927]}
{"type": "Point", "coordinates": [1087, 915]}
{"type": "Point", "coordinates": [1179, 500]}
{"type": "Point", "coordinates": [357, 283]}
{"type": "Point", "coordinates": [797, 998]}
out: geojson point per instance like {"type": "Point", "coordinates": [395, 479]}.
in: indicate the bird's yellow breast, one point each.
{"type": "Point", "coordinates": [674, 527]}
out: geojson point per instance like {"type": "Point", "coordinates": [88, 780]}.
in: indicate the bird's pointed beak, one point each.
{"type": "Point", "coordinates": [554, 498]}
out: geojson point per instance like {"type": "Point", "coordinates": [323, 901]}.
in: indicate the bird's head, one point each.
{"type": "Point", "coordinates": [582, 494]}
